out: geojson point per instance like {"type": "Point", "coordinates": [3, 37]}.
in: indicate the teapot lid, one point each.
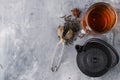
{"type": "Point", "coordinates": [95, 59]}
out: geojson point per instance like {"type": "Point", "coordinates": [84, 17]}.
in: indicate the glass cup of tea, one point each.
{"type": "Point", "coordinates": [99, 18]}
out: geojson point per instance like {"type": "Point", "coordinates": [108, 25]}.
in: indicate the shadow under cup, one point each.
{"type": "Point", "coordinates": [99, 18]}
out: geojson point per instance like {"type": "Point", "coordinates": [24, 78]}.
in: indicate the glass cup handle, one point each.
{"type": "Point", "coordinates": [85, 30]}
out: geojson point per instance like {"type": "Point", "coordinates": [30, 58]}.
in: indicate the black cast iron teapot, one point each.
{"type": "Point", "coordinates": [96, 57]}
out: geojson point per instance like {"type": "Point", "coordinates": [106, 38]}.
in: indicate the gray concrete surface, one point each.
{"type": "Point", "coordinates": [28, 37]}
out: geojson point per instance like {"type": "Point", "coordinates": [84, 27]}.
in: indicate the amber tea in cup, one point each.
{"type": "Point", "coordinates": [99, 18]}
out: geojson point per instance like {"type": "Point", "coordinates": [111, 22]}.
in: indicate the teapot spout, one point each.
{"type": "Point", "coordinates": [78, 48]}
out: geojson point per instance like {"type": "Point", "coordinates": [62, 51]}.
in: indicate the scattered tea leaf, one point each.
{"type": "Point", "coordinates": [76, 12]}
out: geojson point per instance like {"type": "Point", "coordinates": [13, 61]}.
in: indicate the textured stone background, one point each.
{"type": "Point", "coordinates": [28, 36]}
